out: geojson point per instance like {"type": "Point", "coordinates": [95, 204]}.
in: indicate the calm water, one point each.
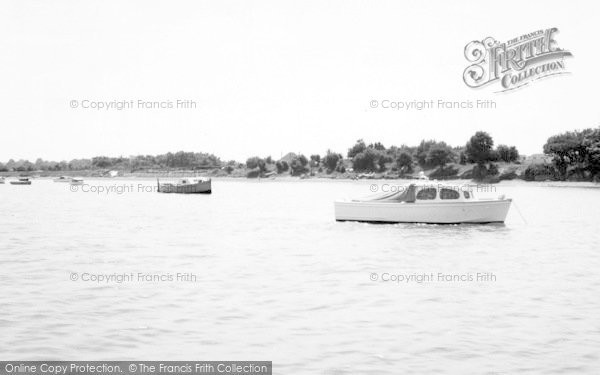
{"type": "Point", "coordinates": [278, 279]}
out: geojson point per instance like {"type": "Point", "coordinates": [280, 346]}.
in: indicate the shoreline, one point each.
{"type": "Point", "coordinates": [459, 172]}
{"type": "Point", "coordinates": [347, 177]}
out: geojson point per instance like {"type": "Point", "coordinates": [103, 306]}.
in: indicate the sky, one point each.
{"type": "Point", "coordinates": [271, 77]}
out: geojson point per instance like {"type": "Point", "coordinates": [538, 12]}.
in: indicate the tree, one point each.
{"type": "Point", "coordinates": [513, 154]}
{"type": "Point", "coordinates": [404, 161]}
{"type": "Point", "coordinates": [422, 150]}
{"type": "Point", "coordinates": [439, 155]}
{"type": "Point", "coordinates": [503, 153]}
{"type": "Point", "coordinates": [479, 148]}
{"type": "Point", "coordinates": [377, 146]}
{"type": "Point", "coordinates": [102, 162]}
{"type": "Point", "coordinates": [256, 162]}
{"type": "Point", "coordinates": [359, 147]}
{"type": "Point", "coordinates": [507, 154]}
{"type": "Point", "coordinates": [80, 164]}
{"type": "Point", "coordinates": [330, 160]}
{"type": "Point", "coordinates": [315, 160]}
{"type": "Point", "coordinates": [567, 149]}
{"type": "Point", "coordinates": [370, 160]}
{"type": "Point", "coordinates": [592, 144]}
{"type": "Point", "coordinates": [298, 165]}
{"type": "Point", "coordinates": [282, 166]}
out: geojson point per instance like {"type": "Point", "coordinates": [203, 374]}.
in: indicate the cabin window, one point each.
{"type": "Point", "coordinates": [467, 195]}
{"type": "Point", "coordinates": [449, 194]}
{"type": "Point", "coordinates": [427, 194]}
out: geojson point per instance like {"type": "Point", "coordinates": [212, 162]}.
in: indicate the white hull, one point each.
{"type": "Point", "coordinates": [475, 211]}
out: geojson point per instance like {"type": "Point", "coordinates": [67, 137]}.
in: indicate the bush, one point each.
{"type": "Point", "coordinates": [370, 160]}
{"type": "Point", "coordinates": [298, 165]}
{"type": "Point", "coordinates": [541, 172]}
{"type": "Point", "coordinates": [481, 172]}
{"type": "Point", "coordinates": [331, 160]}
{"type": "Point", "coordinates": [405, 162]}
{"type": "Point", "coordinates": [508, 176]}
{"type": "Point", "coordinates": [364, 161]}
{"type": "Point", "coordinates": [256, 162]}
{"type": "Point", "coordinates": [253, 173]}
{"type": "Point", "coordinates": [282, 166]}
{"type": "Point", "coordinates": [444, 172]}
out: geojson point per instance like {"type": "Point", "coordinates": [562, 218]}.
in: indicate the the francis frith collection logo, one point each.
{"type": "Point", "coordinates": [514, 63]}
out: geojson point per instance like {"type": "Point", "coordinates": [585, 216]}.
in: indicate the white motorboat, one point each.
{"type": "Point", "coordinates": [425, 202]}
{"type": "Point", "coordinates": [76, 181]}
{"type": "Point", "coordinates": [62, 179]}
{"type": "Point", "coordinates": [186, 186]}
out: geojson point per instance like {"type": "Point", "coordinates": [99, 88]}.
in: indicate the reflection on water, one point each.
{"type": "Point", "coordinates": [278, 279]}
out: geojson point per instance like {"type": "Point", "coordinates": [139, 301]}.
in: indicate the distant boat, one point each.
{"type": "Point", "coordinates": [425, 202]}
{"type": "Point", "coordinates": [186, 186]}
{"type": "Point", "coordinates": [21, 181]}
{"type": "Point", "coordinates": [1, 180]}
{"type": "Point", "coordinates": [62, 179]}
{"type": "Point", "coordinates": [76, 181]}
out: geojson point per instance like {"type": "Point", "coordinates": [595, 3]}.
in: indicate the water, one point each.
{"type": "Point", "coordinates": [278, 279]}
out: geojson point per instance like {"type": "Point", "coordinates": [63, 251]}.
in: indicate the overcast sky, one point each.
{"type": "Point", "coordinates": [269, 77]}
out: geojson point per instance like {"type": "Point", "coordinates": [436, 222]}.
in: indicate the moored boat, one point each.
{"type": "Point", "coordinates": [62, 179]}
{"type": "Point", "coordinates": [425, 202]}
{"type": "Point", "coordinates": [21, 181]}
{"type": "Point", "coordinates": [186, 186]}
{"type": "Point", "coordinates": [76, 181]}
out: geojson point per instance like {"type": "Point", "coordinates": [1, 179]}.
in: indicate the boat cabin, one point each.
{"type": "Point", "coordinates": [441, 192]}
{"type": "Point", "coordinates": [428, 192]}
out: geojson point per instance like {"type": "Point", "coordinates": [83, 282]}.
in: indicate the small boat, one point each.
{"type": "Point", "coordinates": [186, 186]}
{"type": "Point", "coordinates": [62, 179]}
{"type": "Point", "coordinates": [425, 202]}
{"type": "Point", "coordinates": [21, 181]}
{"type": "Point", "coordinates": [1, 180]}
{"type": "Point", "coordinates": [76, 181]}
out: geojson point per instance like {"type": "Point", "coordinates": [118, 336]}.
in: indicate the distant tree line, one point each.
{"type": "Point", "coordinates": [375, 157]}
{"type": "Point", "coordinates": [361, 157]}
{"type": "Point", "coordinates": [178, 160]}
{"type": "Point", "coordinates": [575, 155]}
